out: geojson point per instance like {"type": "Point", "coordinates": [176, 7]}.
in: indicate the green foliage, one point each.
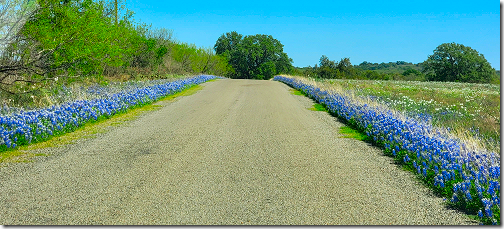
{"type": "Point", "coordinates": [411, 71]}
{"type": "Point", "coordinates": [254, 56]}
{"type": "Point", "coordinates": [390, 67]}
{"type": "Point", "coordinates": [329, 69]}
{"type": "Point", "coordinates": [458, 63]}
{"type": "Point", "coordinates": [226, 43]}
{"type": "Point", "coordinates": [75, 36]}
{"type": "Point", "coordinates": [77, 40]}
{"type": "Point", "coordinates": [198, 60]}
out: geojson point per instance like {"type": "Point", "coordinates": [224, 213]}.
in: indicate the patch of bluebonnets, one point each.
{"type": "Point", "coordinates": [474, 176]}
{"type": "Point", "coordinates": [24, 127]}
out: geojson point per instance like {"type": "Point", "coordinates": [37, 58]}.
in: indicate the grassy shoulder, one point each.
{"type": "Point", "coordinates": [296, 92]}
{"type": "Point", "coordinates": [88, 130]}
{"type": "Point", "coordinates": [349, 132]}
{"type": "Point", "coordinates": [318, 107]}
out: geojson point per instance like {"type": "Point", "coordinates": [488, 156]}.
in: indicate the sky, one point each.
{"type": "Point", "coordinates": [372, 31]}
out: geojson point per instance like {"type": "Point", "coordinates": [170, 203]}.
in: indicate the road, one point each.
{"type": "Point", "coordinates": [236, 152]}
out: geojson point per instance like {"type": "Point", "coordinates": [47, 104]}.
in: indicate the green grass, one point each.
{"type": "Point", "coordinates": [296, 92]}
{"type": "Point", "coordinates": [88, 130]}
{"type": "Point", "coordinates": [348, 132]}
{"type": "Point", "coordinates": [318, 107]}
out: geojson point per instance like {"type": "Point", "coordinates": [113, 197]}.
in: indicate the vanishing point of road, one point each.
{"type": "Point", "coordinates": [236, 152]}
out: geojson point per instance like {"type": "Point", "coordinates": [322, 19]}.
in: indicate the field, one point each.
{"type": "Point", "coordinates": [430, 128]}
{"type": "Point", "coordinates": [461, 107]}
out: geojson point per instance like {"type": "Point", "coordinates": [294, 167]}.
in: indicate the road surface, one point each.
{"type": "Point", "coordinates": [236, 152]}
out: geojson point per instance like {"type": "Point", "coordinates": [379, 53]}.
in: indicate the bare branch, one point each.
{"type": "Point", "coordinates": [13, 15]}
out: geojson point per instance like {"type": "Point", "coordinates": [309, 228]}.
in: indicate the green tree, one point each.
{"type": "Point", "coordinates": [325, 62]}
{"type": "Point", "coordinates": [227, 42]}
{"type": "Point", "coordinates": [346, 68]}
{"type": "Point", "coordinates": [71, 38]}
{"type": "Point", "coordinates": [253, 57]}
{"type": "Point", "coordinates": [411, 71]}
{"type": "Point", "coordinates": [44, 42]}
{"type": "Point", "coordinates": [332, 69]}
{"type": "Point", "coordinates": [458, 63]}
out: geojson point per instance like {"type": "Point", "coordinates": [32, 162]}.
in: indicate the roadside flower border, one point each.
{"type": "Point", "coordinates": [25, 127]}
{"type": "Point", "coordinates": [470, 177]}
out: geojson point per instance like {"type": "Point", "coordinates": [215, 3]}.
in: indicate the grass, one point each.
{"type": "Point", "coordinates": [349, 132]}
{"type": "Point", "coordinates": [315, 107]}
{"type": "Point", "coordinates": [318, 107]}
{"type": "Point", "coordinates": [43, 97]}
{"type": "Point", "coordinates": [296, 92]}
{"type": "Point", "coordinates": [88, 130]}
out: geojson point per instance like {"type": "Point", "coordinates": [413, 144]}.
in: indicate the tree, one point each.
{"type": "Point", "coordinates": [60, 38]}
{"type": "Point", "coordinates": [49, 42]}
{"type": "Point", "coordinates": [253, 57]}
{"type": "Point", "coordinates": [458, 63]}
{"type": "Point", "coordinates": [328, 68]}
{"type": "Point", "coordinates": [411, 71]}
{"type": "Point", "coordinates": [345, 67]}
{"type": "Point", "coordinates": [332, 69]}
{"type": "Point", "coordinates": [228, 42]}
{"type": "Point", "coordinates": [325, 62]}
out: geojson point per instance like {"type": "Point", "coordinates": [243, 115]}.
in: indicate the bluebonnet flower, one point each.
{"type": "Point", "coordinates": [468, 195]}
{"type": "Point", "coordinates": [406, 158]}
{"type": "Point", "coordinates": [488, 212]}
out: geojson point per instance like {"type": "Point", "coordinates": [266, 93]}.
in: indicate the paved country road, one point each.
{"type": "Point", "coordinates": [236, 152]}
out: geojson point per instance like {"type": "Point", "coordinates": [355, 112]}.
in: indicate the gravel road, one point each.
{"type": "Point", "coordinates": [236, 152]}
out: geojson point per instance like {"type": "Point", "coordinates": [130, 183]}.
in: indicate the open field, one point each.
{"type": "Point", "coordinates": [461, 107]}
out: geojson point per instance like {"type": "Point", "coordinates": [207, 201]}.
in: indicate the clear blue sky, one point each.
{"type": "Point", "coordinates": [373, 31]}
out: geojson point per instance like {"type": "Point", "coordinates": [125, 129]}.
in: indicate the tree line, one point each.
{"type": "Point", "coordinates": [60, 41]}
{"type": "Point", "coordinates": [450, 62]}
{"type": "Point", "coordinates": [47, 42]}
